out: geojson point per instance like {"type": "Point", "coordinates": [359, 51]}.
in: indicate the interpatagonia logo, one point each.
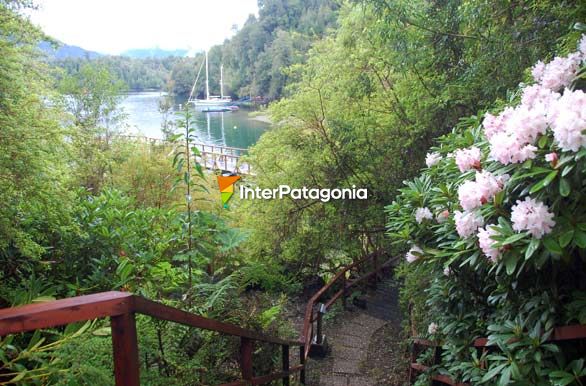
{"type": "Point", "coordinates": [226, 184]}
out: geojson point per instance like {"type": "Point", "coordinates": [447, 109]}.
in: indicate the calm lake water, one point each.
{"type": "Point", "coordinates": [233, 129]}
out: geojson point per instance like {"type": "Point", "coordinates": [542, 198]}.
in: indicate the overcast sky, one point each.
{"type": "Point", "coordinates": [113, 26]}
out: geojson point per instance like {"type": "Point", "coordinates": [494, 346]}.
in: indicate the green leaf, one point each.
{"type": "Point", "coordinates": [565, 188]}
{"type": "Point", "coordinates": [492, 372]}
{"type": "Point", "coordinates": [552, 245]}
{"type": "Point", "coordinates": [510, 263]}
{"type": "Point", "coordinates": [545, 182]}
{"type": "Point", "coordinates": [19, 377]}
{"type": "Point", "coordinates": [542, 141]}
{"type": "Point", "coordinates": [567, 170]}
{"type": "Point", "coordinates": [580, 238]}
{"type": "Point", "coordinates": [512, 239]}
{"type": "Point", "coordinates": [43, 299]}
{"type": "Point", "coordinates": [566, 238]}
{"type": "Point", "coordinates": [104, 331]}
{"type": "Point", "coordinates": [532, 247]}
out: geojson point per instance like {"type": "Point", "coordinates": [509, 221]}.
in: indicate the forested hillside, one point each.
{"type": "Point", "coordinates": [255, 59]}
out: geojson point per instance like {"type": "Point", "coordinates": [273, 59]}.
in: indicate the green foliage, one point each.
{"type": "Point", "coordinates": [34, 201]}
{"type": "Point", "coordinates": [365, 105]}
{"type": "Point", "coordinates": [515, 299]}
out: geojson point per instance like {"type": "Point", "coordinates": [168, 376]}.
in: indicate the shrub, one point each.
{"type": "Point", "coordinates": [496, 226]}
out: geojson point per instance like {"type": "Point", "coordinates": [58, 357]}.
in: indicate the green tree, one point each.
{"type": "Point", "coordinates": [92, 97]}
{"type": "Point", "coordinates": [34, 204]}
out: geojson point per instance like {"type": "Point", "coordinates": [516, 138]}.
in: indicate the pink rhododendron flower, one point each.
{"type": "Point", "coordinates": [447, 271]}
{"type": "Point", "coordinates": [567, 118]}
{"type": "Point", "coordinates": [486, 242]}
{"type": "Point", "coordinates": [533, 216]}
{"type": "Point", "coordinates": [560, 72]}
{"type": "Point", "coordinates": [467, 223]}
{"type": "Point", "coordinates": [432, 328]}
{"type": "Point", "coordinates": [442, 216]}
{"type": "Point", "coordinates": [527, 123]}
{"type": "Point", "coordinates": [414, 253]}
{"type": "Point", "coordinates": [552, 157]}
{"type": "Point", "coordinates": [506, 148]}
{"type": "Point", "coordinates": [538, 96]}
{"type": "Point", "coordinates": [470, 196]}
{"type": "Point", "coordinates": [538, 70]}
{"type": "Point", "coordinates": [422, 214]}
{"type": "Point", "coordinates": [496, 124]}
{"type": "Point", "coordinates": [467, 159]}
{"type": "Point", "coordinates": [432, 159]}
{"type": "Point", "coordinates": [473, 194]}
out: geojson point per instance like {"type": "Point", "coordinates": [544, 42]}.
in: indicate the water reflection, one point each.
{"type": "Point", "coordinates": [233, 129]}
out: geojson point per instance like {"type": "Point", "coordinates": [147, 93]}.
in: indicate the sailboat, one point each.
{"type": "Point", "coordinates": [211, 102]}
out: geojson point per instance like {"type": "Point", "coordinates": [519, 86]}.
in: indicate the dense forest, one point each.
{"type": "Point", "coordinates": [360, 91]}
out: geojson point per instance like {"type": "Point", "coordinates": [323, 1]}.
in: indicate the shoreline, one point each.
{"type": "Point", "coordinates": [262, 118]}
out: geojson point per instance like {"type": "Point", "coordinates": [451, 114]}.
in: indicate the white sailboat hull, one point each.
{"type": "Point", "coordinates": [211, 102]}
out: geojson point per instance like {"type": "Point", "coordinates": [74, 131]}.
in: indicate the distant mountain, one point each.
{"type": "Point", "coordinates": [66, 51]}
{"type": "Point", "coordinates": [153, 53]}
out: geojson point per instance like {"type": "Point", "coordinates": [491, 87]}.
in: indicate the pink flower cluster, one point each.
{"type": "Point", "coordinates": [414, 253]}
{"type": "Point", "coordinates": [432, 159]}
{"type": "Point", "coordinates": [473, 194]}
{"type": "Point", "coordinates": [567, 118]}
{"type": "Point", "coordinates": [467, 223]}
{"type": "Point", "coordinates": [513, 133]}
{"type": "Point", "coordinates": [486, 243]}
{"type": "Point", "coordinates": [423, 214]}
{"type": "Point", "coordinates": [558, 73]}
{"type": "Point", "coordinates": [533, 216]}
{"type": "Point", "coordinates": [467, 159]}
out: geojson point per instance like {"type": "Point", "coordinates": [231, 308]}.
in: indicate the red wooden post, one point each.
{"type": "Point", "coordinates": [285, 357]}
{"type": "Point", "coordinates": [125, 347]}
{"type": "Point", "coordinates": [302, 362]}
{"type": "Point", "coordinates": [246, 358]}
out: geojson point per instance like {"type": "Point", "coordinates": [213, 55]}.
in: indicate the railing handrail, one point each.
{"type": "Point", "coordinates": [89, 307]}
{"type": "Point", "coordinates": [306, 335]}
{"type": "Point", "coordinates": [151, 139]}
{"type": "Point", "coordinates": [121, 308]}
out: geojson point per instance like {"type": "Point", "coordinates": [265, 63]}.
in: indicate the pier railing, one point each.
{"type": "Point", "coordinates": [211, 156]}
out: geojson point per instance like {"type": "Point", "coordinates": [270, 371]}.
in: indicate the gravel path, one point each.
{"type": "Point", "coordinates": [361, 343]}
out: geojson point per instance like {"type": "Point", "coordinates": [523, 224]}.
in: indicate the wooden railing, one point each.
{"type": "Point", "coordinates": [212, 157]}
{"type": "Point", "coordinates": [563, 333]}
{"type": "Point", "coordinates": [121, 307]}
{"type": "Point", "coordinates": [317, 306]}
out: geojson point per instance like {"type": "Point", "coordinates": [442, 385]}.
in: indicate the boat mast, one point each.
{"type": "Point", "coordinates": [221, 81]}
{"type": "Point", "coordinates": [207, 80]}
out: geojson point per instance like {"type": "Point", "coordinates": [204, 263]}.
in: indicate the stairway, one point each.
{"type": "Point", "coordinates": [349, 338]}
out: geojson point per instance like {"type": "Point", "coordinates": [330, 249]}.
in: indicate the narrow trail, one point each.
{"type": "Point", "coordinates": [351, 338]}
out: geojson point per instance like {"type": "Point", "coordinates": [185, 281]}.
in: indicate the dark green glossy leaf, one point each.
{"type": "Point", "coordinates": [544, 182]}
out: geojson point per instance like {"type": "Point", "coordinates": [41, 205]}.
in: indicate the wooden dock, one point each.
{"type": "Point", "coordinates": [212, 157]}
